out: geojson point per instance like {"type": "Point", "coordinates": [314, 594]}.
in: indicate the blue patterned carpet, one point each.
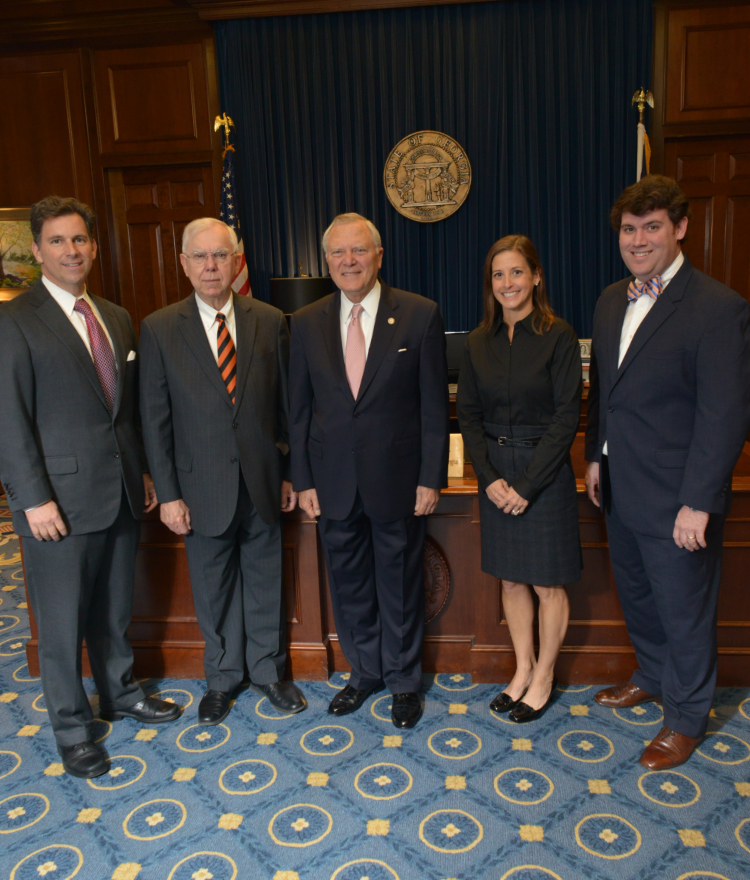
{"type": "Point", "coordinates": [464, 795]}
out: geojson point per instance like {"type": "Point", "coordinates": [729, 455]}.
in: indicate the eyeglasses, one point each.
{"type": "Point", "coordinates": [199, 257]}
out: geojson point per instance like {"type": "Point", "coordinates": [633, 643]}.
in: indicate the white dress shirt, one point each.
{"type": "Point", "coordinates": [366, 317]}
{"type": "Point", "coordinates": [637, 310]}
{"type": "Point", "coordinates": [211, 325]}
{"type": "Point", "coordinates": [67, 302]}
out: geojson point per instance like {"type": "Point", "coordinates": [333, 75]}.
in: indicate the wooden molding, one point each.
{"type": "Point", "coordinates": [214, 10]}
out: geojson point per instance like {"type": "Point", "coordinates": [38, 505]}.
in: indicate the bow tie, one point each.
{"type": "Point", "coordinates": [653, 287]}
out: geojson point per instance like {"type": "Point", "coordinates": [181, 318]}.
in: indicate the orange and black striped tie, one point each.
{"type": "Point", "coordinates": [227, 355]}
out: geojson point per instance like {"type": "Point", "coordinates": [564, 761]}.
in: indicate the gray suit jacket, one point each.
{"type": "Point", "coordinates": [196, 441]}
{"type": "Point", "coordinates": [59, 439]}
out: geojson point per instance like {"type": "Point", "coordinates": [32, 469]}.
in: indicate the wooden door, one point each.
{"type": "Point", "coordinates": [150, 209]}
{"type": "Point", "coordinates": [714, 172]}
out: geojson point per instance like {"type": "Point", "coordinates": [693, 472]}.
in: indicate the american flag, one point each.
{"type": "Point", "coordinates": [229, 215]}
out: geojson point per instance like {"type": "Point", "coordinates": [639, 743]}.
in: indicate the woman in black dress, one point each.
{"type": "Point", "coordinates": [519, 395]}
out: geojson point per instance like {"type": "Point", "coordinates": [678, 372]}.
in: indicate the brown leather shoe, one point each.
{"type": "Point", "coordinates": [668, 749]}
{"type": "Point", "coordinates": [623, 696]}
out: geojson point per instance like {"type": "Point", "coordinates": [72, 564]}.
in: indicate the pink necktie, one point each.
{"type": "Point", "coordinates": [101, 352]}
{"type": "Point", "coordinates": [355, 356]}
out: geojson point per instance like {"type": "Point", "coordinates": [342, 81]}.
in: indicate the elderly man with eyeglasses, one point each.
{"type": "Point", "coordinates": [215, 425]}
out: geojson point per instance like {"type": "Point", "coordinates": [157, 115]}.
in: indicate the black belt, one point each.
{"type": "Point", "coordinates": [528, 442]}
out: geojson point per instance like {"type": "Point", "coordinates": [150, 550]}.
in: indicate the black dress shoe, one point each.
{"type": "Point", "coordinates": [504, 703]}
{"type": "Point", "coordinates": [349, 700]}
{"type": "Point", "coordinates": [284, 696]}
{"type": "Point", "coordinates": [213, 708]}
{"type": "Point", "coordinates": [523, 712]}
{"type": "Point", "coordinates": [85, 760]}
{"type": "Point", "coordinates": [406, 710]}
{"type": "Point", "coordinates": [149, 710]}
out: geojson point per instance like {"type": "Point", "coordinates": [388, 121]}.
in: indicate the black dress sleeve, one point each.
{"type": "Point", "coordinates": [471, 417]}
{"type": "Point", "coordinates": [554, 447]}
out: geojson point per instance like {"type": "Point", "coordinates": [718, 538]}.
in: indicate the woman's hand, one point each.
{"type": "Point", "coordinates": [497, 492]}
{"type": "Point", "coordinates": [514, 504]}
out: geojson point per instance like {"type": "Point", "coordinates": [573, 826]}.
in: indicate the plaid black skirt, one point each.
{"type": "Point", "coordinates": [542, 545]}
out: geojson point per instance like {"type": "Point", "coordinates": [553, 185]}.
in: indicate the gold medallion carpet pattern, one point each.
{"type": "Point", "coordinates": [466, 795]}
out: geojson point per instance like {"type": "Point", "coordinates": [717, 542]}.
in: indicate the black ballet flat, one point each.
{"type": "Point", "coordinates": [504, 703]}
{"type": "Point", "coordinates": [523, 712]}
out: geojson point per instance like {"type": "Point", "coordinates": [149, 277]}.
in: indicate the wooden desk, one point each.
{"type": "Point", "coordinates": [469, 634]}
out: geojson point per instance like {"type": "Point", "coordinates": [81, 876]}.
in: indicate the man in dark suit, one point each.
{"type": "Point", "coordinates": [369, 436]}
{"type": "Point", "coordinates": [669, 410]}
{"type": "Point", "coordinates": [74, 472]}
{"type": "Point", "coordinates": [215, 423]}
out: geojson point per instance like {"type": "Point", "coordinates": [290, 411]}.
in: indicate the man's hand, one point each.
{"type": "Point", "coordinates": [514, 504]}
{"type": "Point", "coordinates": [592, 482]}
{"type": "Point", "coordinates": [288, 497]}
{"type": "Point", "coordinates": [690, 529]}
{"type": "Point", "coordinates": [150, 501]}
{"type": "Point", "coordinates": [176, 516]}
{"type": "Point", "coordinates": [45, 522]}
{"type": "Point", "coordinates": [308, 501]}
{"type": "Point", "coordinates": [497, 492]}
{"type": "Point", "coordinates": [427, 501]}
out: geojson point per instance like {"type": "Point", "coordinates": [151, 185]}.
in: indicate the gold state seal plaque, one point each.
{"type": "Point", "coordinates": [427, 176]}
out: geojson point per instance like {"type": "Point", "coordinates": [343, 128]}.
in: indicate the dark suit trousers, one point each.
{"type": "Point", "coordinates": [82, 586]}
{"type": "Point", "coordinates": [239, 601]}
{"type": "Point", "coordinates": [376, 574]}
{"type": "Point", "coordinates": [669, 599]}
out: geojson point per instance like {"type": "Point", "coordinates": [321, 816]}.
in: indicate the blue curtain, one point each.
{"type": "Point", "coordinates": [537, 92]}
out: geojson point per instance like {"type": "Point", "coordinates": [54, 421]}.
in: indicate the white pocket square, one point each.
{"type": "Point", "coordinates": [131, 356]}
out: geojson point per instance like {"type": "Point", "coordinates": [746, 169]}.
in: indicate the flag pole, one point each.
{"type": "Point", "coordinates": [641, 98]}
{"type": "Point", "coordinates": [228, 212]}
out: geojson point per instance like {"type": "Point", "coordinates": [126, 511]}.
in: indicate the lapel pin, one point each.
{"type": "Point", "coordinates": [391, 320]}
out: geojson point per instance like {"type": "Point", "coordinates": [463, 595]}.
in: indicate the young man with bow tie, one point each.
{"type": "Point", "coordinates": [669, 410]}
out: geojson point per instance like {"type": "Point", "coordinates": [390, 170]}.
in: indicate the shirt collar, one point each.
{"type": "Point", "coordinates": [208, 313]}
{"type": "Point", "coordinates": [668, 274]}
{"type": "Point", "coordinates": [369, 303]}
{"type": "Point", "coordinates": [64, 298]}
{"type": "Point", "coordinates": [526, 322]}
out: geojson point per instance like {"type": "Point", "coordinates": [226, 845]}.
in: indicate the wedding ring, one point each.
{"type": "Point", "coordinates": [691, 537]}
{"type": "Point", "coordinates": [515, 513]}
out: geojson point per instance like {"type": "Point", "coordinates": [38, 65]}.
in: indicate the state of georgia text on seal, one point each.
{"type": "Point", "coordinates": [427, 176]}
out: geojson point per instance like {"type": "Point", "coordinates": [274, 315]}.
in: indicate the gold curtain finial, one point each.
{"type": "Point", "coordinates": [227, 123]}
{"type": "Point", "coordinates": [641, 98]}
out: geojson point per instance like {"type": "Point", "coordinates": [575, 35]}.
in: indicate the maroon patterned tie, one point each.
{"type": "Point", "coordinates": [101, 352]}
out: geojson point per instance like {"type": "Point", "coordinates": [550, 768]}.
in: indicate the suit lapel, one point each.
{"type": "Point", "coordinates": [615, 327]}
{"type": "Point", "coordinates": [664, 306]}
{"type": "Point", "coordinates": [195, 335]}
{"type": "Point", "coordinates": [58, 322]}
{"type": "Point", "coordinates": [118, 345]}
{"type": "Point", "coordinates": [386, 321]}
{"type": "Point", "coordinates": [331, 328]}
{"type": "Point", "coordinates": [247, 326]}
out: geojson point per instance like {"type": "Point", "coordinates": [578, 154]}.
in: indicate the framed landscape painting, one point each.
{"type": "Point", "coordinates": [18, 268]}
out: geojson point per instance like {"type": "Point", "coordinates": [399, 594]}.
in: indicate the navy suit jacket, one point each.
{"type": "Point", "coordinates": [676, 412]}
{"type": "Point", "coordinates": [58, 437]}
{"type": "Point", "coordinates": [394, 436]}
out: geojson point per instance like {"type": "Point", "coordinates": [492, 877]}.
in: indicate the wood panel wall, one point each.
{"type": "Point", "coordinates": [121, 119]}
{"type": "Point", "coordinates": [701, 127]}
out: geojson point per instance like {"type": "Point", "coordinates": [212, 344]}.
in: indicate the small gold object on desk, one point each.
{"type": "Point", "coordinates": [456, 456]}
